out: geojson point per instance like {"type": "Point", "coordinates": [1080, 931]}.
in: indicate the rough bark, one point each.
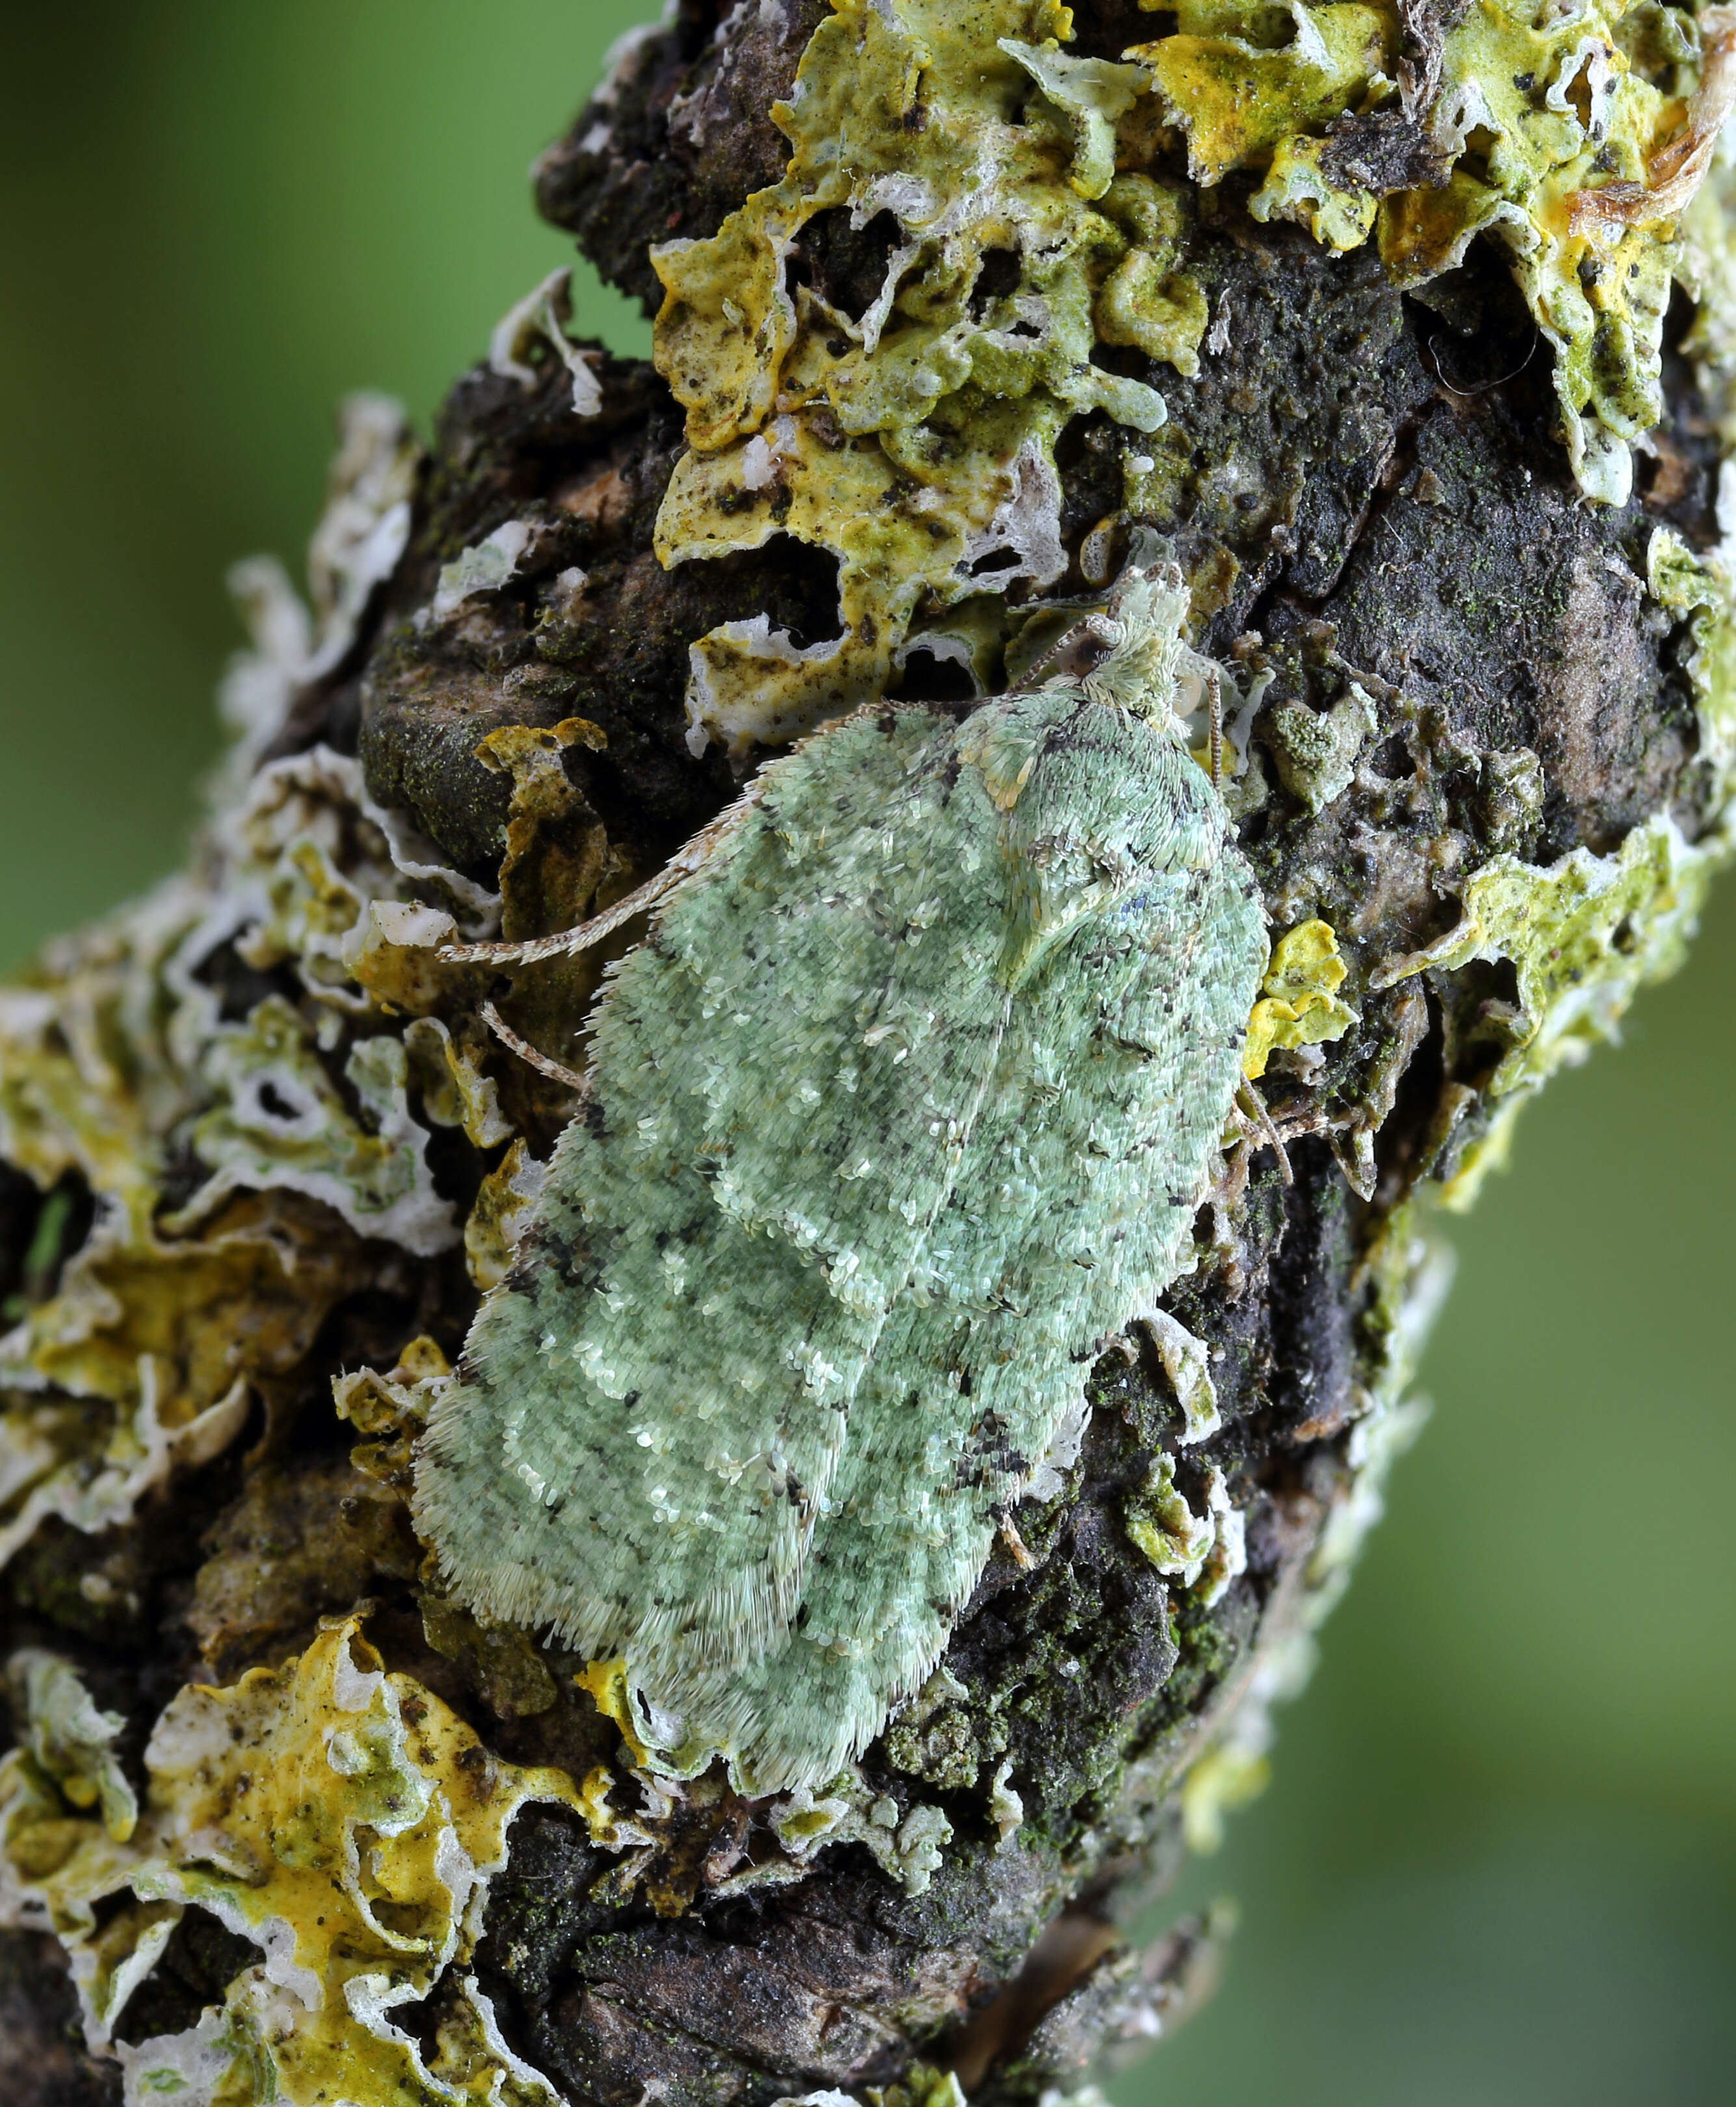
{"type": "Point", "coordinates": [1372, 491]}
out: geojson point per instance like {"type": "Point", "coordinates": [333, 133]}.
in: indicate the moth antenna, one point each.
{"type": "Point", "coordinates": [544, 1064]}
{"type": "Point", "coordinates": [565, 943]}
{"type": "Point", "coordinates": [1216, 735]}
{"type": "Point", "coordinates": [568, 943]}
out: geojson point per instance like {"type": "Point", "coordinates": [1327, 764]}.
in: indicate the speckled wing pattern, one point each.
{"type": "Point", "coordinates": [901, 1111]}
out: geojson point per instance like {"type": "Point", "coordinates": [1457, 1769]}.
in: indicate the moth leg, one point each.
{"type": "Point", "coordinates": [1253, 1105]}
{"type": "Point", "coordinates": [1185, 1362]}
{"type": "Point", "coordinates": [543, 1063]}
{"type": "Point", "coordinates": [1020, 1551]}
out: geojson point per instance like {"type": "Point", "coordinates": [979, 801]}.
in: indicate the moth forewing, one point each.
{"type": "Point", "coordinates": [902, 1110]}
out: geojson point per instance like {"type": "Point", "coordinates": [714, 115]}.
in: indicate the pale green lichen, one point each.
{"type": "Point", "coordinates": [933, 1737]}
{"type": "Point", "coordinates": [1316, 752]}
{"type": "Point", "coordinates": [133, 1354]}
{"type": "Point", "coordinates": [1583, 935]}
{"type": "Point", "coordinates": [500, 1214]}
{"type": "Point", "coordinates": [116, 1057]}
{"type": "Point", "coordinates": [536, 326]}
{"type": "Point", "coordinates": [1298, 187]}
{"type": "Point", "coordinates": [342, 1820]}
{"type": "Point", "coordinates": [1006, 1807]}
{"type": "Point", "coordinates": [1706, 267]}
{"type": "Point", "coordinates": [922, 2086]}
{"type": "Point", "coordinates": [453, 1087]}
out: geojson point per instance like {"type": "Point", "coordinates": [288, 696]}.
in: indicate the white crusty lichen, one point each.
{"type": "Point", "coordinates": [237, 1157]}
{"type": "Point", "coordinates": [538, 323]}
{"type": "Point", "coordinates": [362, 533]}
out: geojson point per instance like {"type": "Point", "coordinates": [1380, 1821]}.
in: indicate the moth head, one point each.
{"type": "Point", "coordinates": [1140, 636]}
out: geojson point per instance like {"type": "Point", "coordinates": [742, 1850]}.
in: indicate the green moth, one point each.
{"type": "Point", "coordinates": [899, 1114]}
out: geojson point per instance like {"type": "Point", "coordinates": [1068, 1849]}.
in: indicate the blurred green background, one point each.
{"type": "Point", "coordinates": [1498, 1864]}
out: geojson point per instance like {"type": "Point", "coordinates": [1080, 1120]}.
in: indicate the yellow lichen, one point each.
{"type": "Point", "coordinates": [446, 1068]}
{"type": "Point", "coordinates": [556, 850]}
{"type": "Point", "coordinates": [144, 1356]}
{"type": "Point", "coordinates": [1299, 1004]}
{"type": "Point", "coordinates": [1238, 98]}
{"type": "Point", "coordinates": [1148, 300]}
{"type": "Point", "coordinates": [391, 1410]}
{"type": "Point", "coordinates": [1298, 187]}
{"type": "Point", "coordinates": [341, 1819]}
{"type": "Point", "coordinates": [139, 1349]}
{"type": "Point", "coordinates": [913, 442]}
{"type": "Point", "coordinates": [557, 867]}
{"type": "Point", "coordinates": [606, 1682]}
{"type": "Point", "coordinates": [1568, 134]}
{"type": "Point", "coordinates": [497, 1218]}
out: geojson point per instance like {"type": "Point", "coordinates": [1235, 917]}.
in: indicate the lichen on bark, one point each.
{"type": "Point", "coordinates": [953, 300]}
